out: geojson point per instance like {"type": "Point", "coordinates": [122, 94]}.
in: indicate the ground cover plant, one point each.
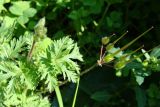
{"type": "Point", "coordinates": [63, 53]}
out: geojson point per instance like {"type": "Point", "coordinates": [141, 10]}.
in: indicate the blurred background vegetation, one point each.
{"type": "Point", "coordinates": [87, 21]}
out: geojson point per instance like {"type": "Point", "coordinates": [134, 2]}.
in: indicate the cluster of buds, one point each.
{"type": "Point", "coordinates": [109, 53]}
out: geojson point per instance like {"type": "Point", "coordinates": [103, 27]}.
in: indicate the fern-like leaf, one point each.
{"type": "Point", "coordinates": [60, 58]}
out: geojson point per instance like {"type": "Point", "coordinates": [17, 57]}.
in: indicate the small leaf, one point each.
{"type": "Point", "coordinates": [19, 6]}
{"type": "Point", "coordinates": [146, 54]}
{"type": "Point", "coordinates": [22, 20]}
{"type": "Point", "coordinates": [101, 96]}
{"type": "Point", "coordinates": [139, 79]}
{"type": "Point", "coordinates": [156, 52]}
{"type": "Point", "coordinates": [30, 12]}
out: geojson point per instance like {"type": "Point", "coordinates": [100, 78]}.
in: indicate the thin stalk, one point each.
{"type": "Point", "coordinates": [102, 18]}
{"type": "Point", "coordinates": [139, 55]}
{"type": "Point", "coordinates": [120, 37]}
{"type": "Point", "coordinates": [75, 95]}
{"type": "Point", "coordinates": [130, 43]}
{"type": "Point", "coordinates": [132, 52]}
{"type": "Point", "coordinates": [29, 56]}
{"type": "Point", "coordinates": [59, 96]}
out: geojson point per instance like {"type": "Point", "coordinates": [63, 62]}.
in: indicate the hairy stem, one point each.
{"type": "Point", "coordinates": [31, 51]}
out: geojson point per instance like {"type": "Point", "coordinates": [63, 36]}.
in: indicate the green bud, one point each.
{"type": "Point", "coordinates": [145, 63]}
{"type": "Point", "coordinates": [109, 46]}
{"type": "Point", "coordinates": [119, 65]}
{"type": "Point", "coordinates": [108, 58]}
{"type": "Point", "coordinates": [118, 73]}
{"type": "Point", "coordinates": [40, 29]}
{"type": "Point", "coordinates": [105, 40]}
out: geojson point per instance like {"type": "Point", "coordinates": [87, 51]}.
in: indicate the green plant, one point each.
{"type": "Point", "coordinates": [25, 81]}
{"type": "Point", "coordinates": [133, 73]}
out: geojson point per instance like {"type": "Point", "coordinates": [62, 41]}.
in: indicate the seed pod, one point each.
{"type": "Point", "coordinates": [109, 46]}
{"type": "Point", "coordinates": [105, 40]}
{"type": "Point", "coordinates": [108, 58]}
{"type": "Point", "coordinates": [131, 42]}
{"type": "Point", "coordinates": [145, 63]}
{"type": "Point", "coordinates": [120, 64]}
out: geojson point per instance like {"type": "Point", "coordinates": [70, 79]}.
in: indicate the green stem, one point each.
{"type": "Point", "coordinates": [130, 43]}
{"type": "Point", "coordinates": [59, 96]}
{"type": "Point", "coordinates": [75, 95]}
{"type": "Point", "coordinates": [102, 18]}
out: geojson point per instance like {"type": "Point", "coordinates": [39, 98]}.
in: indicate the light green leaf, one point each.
{"type": "Point", "coordinates": [59, 60]}
{"type": "Point", "coordinates": [22, 20]}
{"type": "Point", "coordinates": [19, 7]}
{"type": "Point", "coordinates": [30, 12]}
{"type": "Point", "coordinates": [146, 54]}
{"type": "Point", "coordinates": [139, 79]}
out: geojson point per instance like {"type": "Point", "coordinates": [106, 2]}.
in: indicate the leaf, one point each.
{"type": "Point", "coordinates": [30, 12]}
{"type": "Point", "coordinates": [22, 20]}
{"type": "Point", "coordinates": [139, 79]}
{"type": "Point", "coordinates": [13, 49]}
{"type": "Point", "coordinates": [113, 50]}
{"type": "Point", "coordinates": [60, 59]}
{"type": "Point", "coordinates": [29, 75]}
{"type": "Point", "coordinates": [146, 54]}
{"type": "Point", "coordinates": [19, 7]}
{"type": "Point", "coordinates": [101, 96]}
{"type": "Point", "coordinates": [2, 2]}
{"type": "Point", "coordinates": [23, 10]}
{"type": "Point", "coordinates": [140, 97]}
{"type": "Point", "coordinates": [156, 52]}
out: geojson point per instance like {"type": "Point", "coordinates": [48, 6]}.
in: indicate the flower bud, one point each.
{"type": "Point", "coordinates": [40, 29]}
{"type": "Point", "coordinates": [105, 40]}
{"type": "Point", "coordinates": [120, 64]}
{"type": "Point", "coordinates": [109, 46]}
{"type": "Point", "coordinates": [108, 58]}
{"type": "Point", "coordinates": [145, 63]}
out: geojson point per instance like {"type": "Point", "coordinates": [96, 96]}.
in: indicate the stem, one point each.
{"type": "Point", "coordinates": [59, 96]}
{"type": "Point", "coordinates": [82, 73]}
{"type": "Point", "coordinates": [130, 43]}
{"type": "Point", "coordinates": [89, 69]}
{"type": "Point", "coordinates": [75, 95]}
{"type": "Point", "coordinates": [31, 51]}
{"type": "Point", "coordinates": [120, 38]}
{"type": "Point", "coordinates": [102, 18]}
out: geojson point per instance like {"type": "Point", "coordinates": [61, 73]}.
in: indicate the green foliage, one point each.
{"type": "Point", "coordinates": [20, 78]}
{"type": "Point", "coordinates": [23, 10]}
{"type": "Point", "coordinates": [54, 57]}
